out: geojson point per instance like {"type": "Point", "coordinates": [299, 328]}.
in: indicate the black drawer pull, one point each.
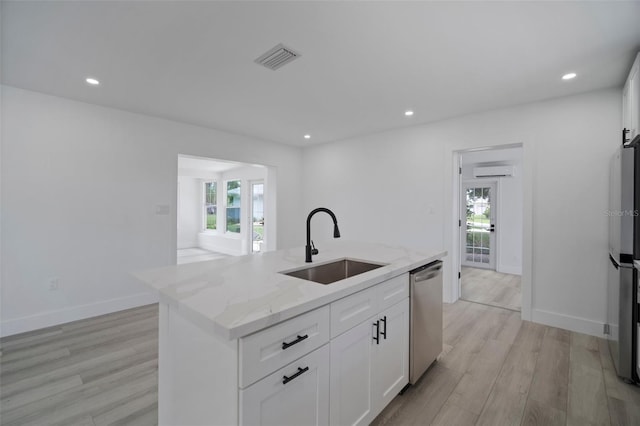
{"type": "Point", "coordinates": [377, 336]}
{"type": "Point", "coordinates": [286, 345]}
{"type": "Point", "coordinates": [286, 379]}
{"type": "Point", "coordinates": [384, 333]}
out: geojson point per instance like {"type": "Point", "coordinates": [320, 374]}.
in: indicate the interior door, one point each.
{"type": "Point", "coordinates": [257, 217]}
{"type": "Point", "coordinates": [479, 213]}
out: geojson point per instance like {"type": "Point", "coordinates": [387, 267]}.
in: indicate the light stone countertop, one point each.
{"type": "Point", "coordinates": [236, 296]}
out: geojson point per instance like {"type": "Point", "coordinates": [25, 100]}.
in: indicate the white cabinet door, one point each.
{"type": "Point", "coordinates": [351, 376]}
{"type": "Point", "coordinates": [367, 374]}
{"type": "Point", "coordinates": [391, 356]}
{"type": "Point", "coordinates": [295, 395]}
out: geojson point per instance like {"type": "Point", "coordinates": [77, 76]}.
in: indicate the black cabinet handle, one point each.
{"type": "Point", "coordinates": [384, 333]}
{"type": "Point", "coordinates": [286, 379]}
{"type": "Point", "coordinates": [286, 345]}
{"type": "Point", "coordinates": [377, 336]}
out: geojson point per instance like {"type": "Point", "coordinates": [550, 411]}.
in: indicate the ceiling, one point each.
{"type": "Point", "coordinates": [362, 65]}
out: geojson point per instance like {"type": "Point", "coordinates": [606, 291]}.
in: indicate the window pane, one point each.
{"type": "Point", "coordinates": [210, 196]}
{"type": "Point", "coordinates": [233, 206]}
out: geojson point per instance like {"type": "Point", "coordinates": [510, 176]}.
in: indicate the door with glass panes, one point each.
{"type": "Point", "coordinates": [479, 224]}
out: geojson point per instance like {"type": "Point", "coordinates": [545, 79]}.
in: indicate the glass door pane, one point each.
{"type": "Point", "coordinates": [480, 225]}
{"type": "Point", "coordinates": [257, 216]}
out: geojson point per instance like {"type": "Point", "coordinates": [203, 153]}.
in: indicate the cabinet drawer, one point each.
{"type": "Point", "coordinates": [352, 310]}
{"type": "Point", "coordinates": [393, 291]}
{"type": "Point", "coordinates": [267, 350]}
{"type": "Point", "coordinates": [297, 394]}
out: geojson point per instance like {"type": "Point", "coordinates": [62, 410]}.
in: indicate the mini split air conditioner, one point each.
{"type": "Point", "coordinates": [496, 171]}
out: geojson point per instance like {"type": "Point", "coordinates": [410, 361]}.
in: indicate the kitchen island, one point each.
{"type": "Point", "coordinates": [243, 343]}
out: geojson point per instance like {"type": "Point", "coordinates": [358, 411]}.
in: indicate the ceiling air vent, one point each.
{"type": "Point", "coordinates": [277, 57]}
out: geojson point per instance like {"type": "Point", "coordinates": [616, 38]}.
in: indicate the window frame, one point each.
{"type": "Point", "coordinates": [227, 207]}
{"type": "Point", "coordinates": [205, 228]}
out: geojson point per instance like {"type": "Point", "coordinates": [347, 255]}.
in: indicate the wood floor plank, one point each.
{"type": "Point", "coordinates": [84, 400]}
{"type": "Point", "coordinates": [451, 414]}
{"type": "Point", "coordinates": [491, 288]}
{"type": "Point", "coordinates": [420, 404]}
{"type": "Point", "coordinates": [473, 389]}
{"type": "Point", "coordinates": [551, 378]}
{"type": "Point", "coordinates": [538, 414]}
{"type": "Point", "coordinates": [587, 401]}
{"type": "Point", "coordinates": [507, 400]}
{"type": "Point", "coordinates": [35, 394]}
{"type": "Point", "coordinates": [19, 364]}
{"type": "Point", "coordinates": [146, 417]}
{"type": "Point", "coordinates": [80, 367]}
{"type": "Point", "coordinates": [623, 413]}
{"type": "Point", "coordinates": [77, 336]}
{"type": "Point", "coordinates": [125, 411]}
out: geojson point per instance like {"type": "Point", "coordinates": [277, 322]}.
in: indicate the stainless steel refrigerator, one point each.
{"type": "Point", "coordinates": [624, 247]}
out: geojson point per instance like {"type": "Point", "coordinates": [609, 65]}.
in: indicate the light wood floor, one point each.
{"type": "Point", "coordinates": [491, 288]}
{"type": "Point", "coordinates": [499, 370]}
{"type": "Point", "coordinates": [495, 370]}
{"type": "Point", "coordinates": [97, 371]}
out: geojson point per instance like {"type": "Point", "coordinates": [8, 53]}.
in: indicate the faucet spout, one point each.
{"type": "Point", "coordinates": [309, 250]}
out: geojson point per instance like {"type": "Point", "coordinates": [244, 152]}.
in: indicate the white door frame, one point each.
{"type": "Point", "coordinates": [453, 187]}
{"type": "Point", "coordinates": [250, 214]}
{"type": "Point", "coordinates": [495, 208]}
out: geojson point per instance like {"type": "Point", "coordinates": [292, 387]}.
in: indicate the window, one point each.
{"type": "Point", "coordinates": [233, 206]}
{"type": "Point", "coordinates": [210, 207]}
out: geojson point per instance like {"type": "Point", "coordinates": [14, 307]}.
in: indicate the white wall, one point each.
{"type": "Point", "coordinates": [83, 199]}
{"type": "Point", "coordinates": [509, 206]}
{"type": "Point", "coordinates": [396, 187]}
{"type": "Point", "coordinates": [190, 193]}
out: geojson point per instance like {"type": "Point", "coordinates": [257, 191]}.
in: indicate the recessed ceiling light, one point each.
{"type": "Point", "coordinates": [569, 76]}
{"type": "Point", "coordinates": [307, 136]}
{"type": "Point", "coordinates": [408, 113]}
{"type": "Point", "coordinates": [92, 81]}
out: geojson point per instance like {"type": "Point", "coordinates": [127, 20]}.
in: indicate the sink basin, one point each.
{"type": "Point", "coordinates": [328, 273]}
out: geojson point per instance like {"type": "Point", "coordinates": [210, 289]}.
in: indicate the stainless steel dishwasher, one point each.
{"type": "Point", "coordinates": [426, 318]}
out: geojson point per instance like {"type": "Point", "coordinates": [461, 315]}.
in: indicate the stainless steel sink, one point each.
{"type": "Point", "coordinates": [328, 273]}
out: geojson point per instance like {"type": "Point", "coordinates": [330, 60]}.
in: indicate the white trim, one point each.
{"type": "Point", "coordinates": [526, 283]}
{"type": "Point", "coordinates": [62, 316]}
{"type": "Point", "coordinates": [568, 322]}
{"type": "Point", "coordinates": [514, 270]}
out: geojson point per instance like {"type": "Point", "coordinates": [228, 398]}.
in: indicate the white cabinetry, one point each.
{"type": "Point", "coordinates": [294, 395]}
{"type": "Point", "coordinates": [631, 101]}
{"type": "Point", "coordinates": [370, 362]}
{"type": "Point", "coordinates": [391, 356]}
{"type": "Point", "coordinates": [351, 376]}
{"type": "Point", "coordinates": [339, 364]}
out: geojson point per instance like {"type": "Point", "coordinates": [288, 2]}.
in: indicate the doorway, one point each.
{"type": "Point", "coordinates": [491, 227]}
{"type": "Point", "coordinates": [224, 208]}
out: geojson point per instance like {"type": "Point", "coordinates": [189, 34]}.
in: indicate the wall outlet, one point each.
{"type": "Point", "coordinates": [53, 283]}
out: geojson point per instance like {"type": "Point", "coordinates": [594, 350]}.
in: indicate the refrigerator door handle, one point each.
{"type": "Point", "coordinates": [613, 262]}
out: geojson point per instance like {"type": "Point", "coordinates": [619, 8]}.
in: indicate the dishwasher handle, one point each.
{"type": "Point", "coordinates": [427, 272]}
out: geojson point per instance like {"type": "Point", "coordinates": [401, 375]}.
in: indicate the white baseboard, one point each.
{"type": "Point", "coordinates": [514, 270]}
{"type": "Point", "coordinates": [568, 322]}
{"type": "Point", "coordinates": [62, 316]}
